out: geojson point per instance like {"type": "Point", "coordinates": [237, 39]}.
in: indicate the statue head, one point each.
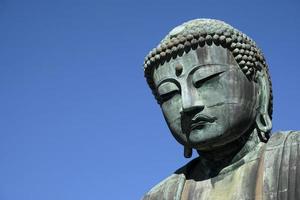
{"type": "Point", "coordinates": [212, 83]}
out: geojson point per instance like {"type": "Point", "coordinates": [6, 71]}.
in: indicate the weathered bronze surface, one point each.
{"type": "Point", "coordinates": [213, 86]}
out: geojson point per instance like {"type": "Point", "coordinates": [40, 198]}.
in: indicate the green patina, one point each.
{"type": "Point", "coordinates": [214, 89]}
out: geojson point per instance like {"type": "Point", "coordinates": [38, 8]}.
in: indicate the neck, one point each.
{"type": "Point", "coordinates": [216, 160]}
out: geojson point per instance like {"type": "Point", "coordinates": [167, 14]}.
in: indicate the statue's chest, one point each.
{"type": "Point", "coordinates": [237, 184]}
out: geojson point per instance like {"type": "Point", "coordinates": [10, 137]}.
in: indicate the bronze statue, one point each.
{"type": "Point", "coordinates": [214, 89]}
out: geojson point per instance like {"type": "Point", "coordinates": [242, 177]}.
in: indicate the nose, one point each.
{"type": "Point", "coordinates": [191, 105]}
{"type": "Point", "coordinates": [191, 101]}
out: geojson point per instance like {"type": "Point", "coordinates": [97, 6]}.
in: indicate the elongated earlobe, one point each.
{"type": "Point", "coordinates": [263, 119]}
{"type": "Point", "coordinates": [264, 125]}
{"type": "Point", "coordinates": [188, 152]}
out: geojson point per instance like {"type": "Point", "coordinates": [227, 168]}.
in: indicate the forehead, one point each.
{"type": "Point", "coordinates": [204, 56]}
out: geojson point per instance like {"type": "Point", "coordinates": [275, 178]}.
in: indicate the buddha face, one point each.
{"type": "Point", "coordinates": [206, 99]}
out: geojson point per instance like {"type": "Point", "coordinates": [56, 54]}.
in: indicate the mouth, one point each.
{"type": "Point", "coordinates": [200, 120]}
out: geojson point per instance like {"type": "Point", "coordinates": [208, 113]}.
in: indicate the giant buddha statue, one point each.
{"type": "Point", "coordinates": [213, 86]}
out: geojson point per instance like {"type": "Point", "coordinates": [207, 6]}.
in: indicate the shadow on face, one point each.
{"type": "Point", "coordinates": [206, 99]}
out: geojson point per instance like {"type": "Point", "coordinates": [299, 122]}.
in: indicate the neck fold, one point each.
{"type": "Point", "coordinates": [218, 159]}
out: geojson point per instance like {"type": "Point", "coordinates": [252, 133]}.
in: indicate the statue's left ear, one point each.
{"type": "Point", "coordinates": [263, 119]}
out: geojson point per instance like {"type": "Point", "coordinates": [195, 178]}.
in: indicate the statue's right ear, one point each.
{"type": "Point", "coordinates": [263, 119]}
{"type": "Point", "coordinates": [188, 151]}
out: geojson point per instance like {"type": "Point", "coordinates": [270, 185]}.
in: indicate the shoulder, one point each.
{"type": "Point", "coordinates": [281, 149]}
{"type": "Point", "coordinates": [282, 164]}
{"type": "Point", "coordinates": [283, 139]}
{"type": "Point", "coordinates": [169, 188]}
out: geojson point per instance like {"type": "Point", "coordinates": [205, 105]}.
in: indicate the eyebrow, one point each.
{"type": "Point", "coordinates": [197, 67]}
{"type": "Point", "coordinates": [200, 66]}
{"type": "Point", "coordinates": [172, 80]}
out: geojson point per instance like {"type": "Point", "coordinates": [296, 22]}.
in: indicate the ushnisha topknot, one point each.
{"type": "Point", "coordinates": [200, 32]}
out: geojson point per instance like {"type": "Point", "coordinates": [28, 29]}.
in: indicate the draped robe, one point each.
{"type": "Point", "coordinates": [271, 173]}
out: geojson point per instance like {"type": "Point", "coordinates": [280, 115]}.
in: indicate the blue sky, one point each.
{"type": "Point", "coordinates": [78, 121]}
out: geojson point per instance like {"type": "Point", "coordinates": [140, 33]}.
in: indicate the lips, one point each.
{"type": "Point", "coordinates": [199, 120]}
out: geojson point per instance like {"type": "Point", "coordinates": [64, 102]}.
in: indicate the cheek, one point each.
{"type": "Point", "coordinates": [232, 99]}
{"type": "Point", "coordinates": [171, 109]}
{"type": "Point", "coordinates": [244, 93]}
{"type": "Point", "coordinates": [241, 96]}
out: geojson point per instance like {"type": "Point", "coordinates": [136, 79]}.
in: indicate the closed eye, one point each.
{"type": "Point", "coordinates": [201, 81]}
{"type": "Point", "coordinates": [168, 96]}
{"type": "Point", "coordinates": [167, 90]}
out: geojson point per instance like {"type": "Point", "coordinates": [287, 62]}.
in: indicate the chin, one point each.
{"type": "Point", "coordinates": [198, 136]}
{"type": "Point", "coordinates": [206, 138]}
{"type": "Point", "coordinates": [199, 139]}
